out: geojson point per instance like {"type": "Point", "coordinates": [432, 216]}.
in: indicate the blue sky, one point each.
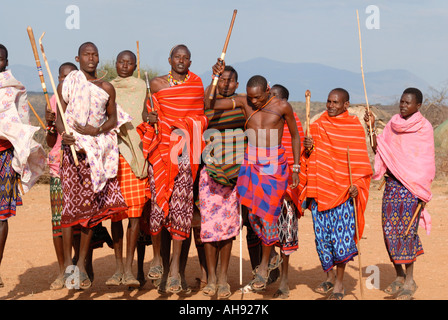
{"type": "Point", "coordinates": [413, 35]}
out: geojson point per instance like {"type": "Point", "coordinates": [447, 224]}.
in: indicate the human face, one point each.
{"type": "Point", "coordinates": [257, 97]}
{"type": "Point", "coordinates": [180, 60]}
{"type": "Point", "coordinates": [125, 65]}
{"type": "Point", "coordinates": [336, 104]}
{"type": "Point", "coordinates": [227, 84]}
{"type": "Point", "coordinates": [88, 58]}
{"type": "Point", "coordinates": [64, 72]}
{"type": "Point", "coordinates": [408, 105]}
{"type": "Point", "coordinates": [3, 60]}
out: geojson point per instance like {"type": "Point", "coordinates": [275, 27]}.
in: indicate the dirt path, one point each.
{"type": "Point", "coordinates": [29, 263]}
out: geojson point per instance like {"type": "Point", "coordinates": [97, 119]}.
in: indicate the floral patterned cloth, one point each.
{"type": "Point", "coordinates": [86, 105]}
{"type": "Point", "coordinates": [54, 156]}
{"type": "Point", "coordinates": [29, 157]}
{"type": "Point", "coordinates": [220, 219]}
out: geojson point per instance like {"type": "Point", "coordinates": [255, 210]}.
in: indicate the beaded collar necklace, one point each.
{"type": "Point", "coordinates": [174, 82]}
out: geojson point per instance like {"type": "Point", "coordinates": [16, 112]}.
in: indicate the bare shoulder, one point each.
{"type": "Point", "coordinates": [108, 87]}
{"type": "Point", "coordinates": [158, 83]}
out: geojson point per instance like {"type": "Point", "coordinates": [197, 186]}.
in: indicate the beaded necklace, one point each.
{"type": "Point", "coordinates": [174, 82]}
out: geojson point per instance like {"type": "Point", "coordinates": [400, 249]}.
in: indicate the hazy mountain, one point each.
{"type": "Point", "coordinates": [383, 87]}
{"type": "Point", "coordinates": [29, 76]}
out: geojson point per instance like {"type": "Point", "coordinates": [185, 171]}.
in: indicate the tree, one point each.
{"type": "Point", "coordinates": [108, 70]}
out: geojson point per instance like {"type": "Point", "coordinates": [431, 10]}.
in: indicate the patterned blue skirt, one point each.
{"type": "Point", "coordinates": [399, 205]}
{"type": "Point", "coordinates": [335, 234]}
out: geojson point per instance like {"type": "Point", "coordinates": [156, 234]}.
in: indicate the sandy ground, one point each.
{"type": "Point", "coordinates": [29, 264]}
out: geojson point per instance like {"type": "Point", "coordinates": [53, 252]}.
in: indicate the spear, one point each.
{"type": "Point", "coordinates": [61, 111]}
{"type": "Point", "coordinates": [363, 80]}
{"type": "Point", "coordinates": [223, 54]}
{"type": "Point", "coordinates": [356, 225]}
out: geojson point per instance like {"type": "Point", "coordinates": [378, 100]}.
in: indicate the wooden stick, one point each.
{"type": "Point", "coordinates": [416, 213]}
{"type": "Point", "coordinates": [241, 245]}
{"type": "Point", "coordinates": [382, 184]}
{"type": "Point", "coordinates": [19, 181]}
{"type": "Point", "coordinates": [223, 54]}
{"type": "Point", "coordinates": [37, 116]}
{"type": "Point", "coordinates": [363, 80]}
{"type": "Point", "coordinates": [138, 60]}
{"type": "Point", "coordinates": [61, 111]}
{"type": "Point", "coordinates": [307, 98]}
{"type": "Point", "coordinates": [39, 67]}
{"type": "Point", "coordinates": [356, 226]}
{"type": "Point", "coordinates": [151, 104]}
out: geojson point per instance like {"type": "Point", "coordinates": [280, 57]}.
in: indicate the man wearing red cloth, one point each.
{"type": "Point", "coordinates": [174, 154]}
{"type": "Point", "coordinates": [326, 187]}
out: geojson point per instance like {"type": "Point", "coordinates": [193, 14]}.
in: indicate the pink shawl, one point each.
{"type": "Point", "coordinates": [406, 148]}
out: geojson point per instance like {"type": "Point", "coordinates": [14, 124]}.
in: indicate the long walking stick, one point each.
{"type": "Point", "coordinates": [61, 111]}
{"type": "Point", "coordinates": [138, 60]}
{"type": "Point", "coordinates": [241, 245]}
{"type": "Point", "coordinates": [39, 66]}
{"type": "Point", "coordinates": [151, 103]}
{"type": "Point", "coordinates": [356, 226]}
{"type": "Point", "coordinates": [37, 116]}
{"type": "Point", "coordinates": [223, 54]}
{"type": "Point", "coordinates": [363, 80]}
{"type": "Point", "coordinates": [307, 103]}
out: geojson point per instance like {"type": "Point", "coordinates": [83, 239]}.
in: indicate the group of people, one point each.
{"type": "Point", "coordinates": [180, 162]}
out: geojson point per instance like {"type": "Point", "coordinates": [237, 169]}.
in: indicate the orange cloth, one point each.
{"type": "Point", "coordinates": [287, 144]}
{"type": "Point", "coordinates": [325, 175]}
{"type": "Point", "coordinates": [133, 190]}
{"type": "Point", "coordinates": [178, 107]}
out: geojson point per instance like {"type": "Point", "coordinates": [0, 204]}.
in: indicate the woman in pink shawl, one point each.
{"type": "Point", "coordinates": [404, 154]}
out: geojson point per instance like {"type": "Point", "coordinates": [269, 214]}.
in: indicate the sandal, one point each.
{"type": "Point", "coordinates": [336, 296]}
{"type": "Point", "coordinates": [224, 291]}
{"type": "Point", "coordinates": [276, 264]}
{"type": "Point", "coordinates": [84, 281]}
{"type": "Point", "coordinates": [155, 272]}
{"type": "Point", "coordinates": [258, 278]}
{"type": "Point", "coordinates": [407, 294]}
{"type": "Point", "coordinates": [174, 284]}
{"type": "Point", "coordinates": [209, 290]}
{"type": "Point", "coordinates": [115, 280]}
{"type": "Point", "coordinates": [130, 281]}
{"type": "Point", "coordinates": [58, 284]}
{"type": "Point", "coordinates": [282, 293]}
{"type": "Point", "coordinates": [394, 287]}
{"type": "Point", "coordinates": [324, 287]}
{"type": "Point", "coordinates": [186, 289]}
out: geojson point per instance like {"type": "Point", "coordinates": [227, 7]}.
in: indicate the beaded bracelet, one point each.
{"type": "Point", "coordinates": [296, 168]}
{"type": "Point", "coordinates": [234, 104]}
{"type": "Point", "coordinates": [215, 76]}
{"type": "Point", "coordinates": [51, 129]}
{"type": "Point", "coordinates": [373, 131]}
